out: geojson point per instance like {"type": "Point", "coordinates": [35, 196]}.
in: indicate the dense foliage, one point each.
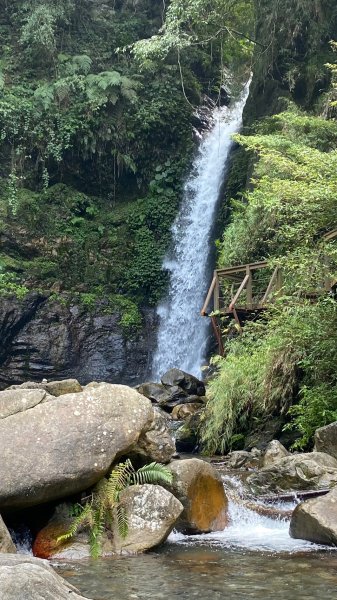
{"type": "Point", "coordinates": [94, 142]}
{"type": "Point", "coordinates": [287, 361]}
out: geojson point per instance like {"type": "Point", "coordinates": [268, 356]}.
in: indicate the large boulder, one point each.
{"type": "Point", "coordinates": [152, 513]}
{"type": "Point", "coordinates": [16, 401]}
{"type": "Point", "coordinates": [313, 470]}
{"type": "Point", "coordinates": [189, 383]}
{"type": "Point", "coordinates": [157, 441]}
{"type": "Point", "coordinates": [274, 452]}
{"type": "Point", "coordinates": [60, 448]}
{"type": "Point", "coordinates": [326, 439]}
{"type": "Point", "coordinates": [28, 578]}
{"type": "Point", "coordinates": [199, 488]}
{"type": "Point", "coordinates": [6, 543]}
{"type": "Point", "coordinates": [316, 520]}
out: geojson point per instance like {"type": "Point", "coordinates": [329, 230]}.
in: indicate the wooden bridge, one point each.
{"type": "Point", "coordinates": [244, 291]}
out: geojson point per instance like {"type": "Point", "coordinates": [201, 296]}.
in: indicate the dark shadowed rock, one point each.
{"type": "Point", "coordinates": [155, 392]}
{"type": "Point", "coordinates": [326, 439]}
{"type": "Point", "coordinates": [189, 383]}
{"type": "Point", "coordinates": [6, 543]}
{"type": "Point", "coordinates": [199, 488]}
{"type": "Point", "coordinates": [47, 338]}
{"type": "Point", "coordinates": [65, 446]}
{"type": "Point", "coordinates": [316, 520]}
{"type": "Point", "coordinates": [28, 578]}
{"type": "Point", "coordinates": [152, 512]}
{"type": "Point", "coordinates": [187, 437]}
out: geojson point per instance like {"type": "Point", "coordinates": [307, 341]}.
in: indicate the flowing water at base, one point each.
{"type": "Point", "coordinates": [253, 559]}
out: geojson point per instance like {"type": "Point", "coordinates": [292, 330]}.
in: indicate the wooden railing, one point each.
{"type": "Point", "coordinates": [243, 291]}
{"type": "Point", "coordinates": [242, 288]}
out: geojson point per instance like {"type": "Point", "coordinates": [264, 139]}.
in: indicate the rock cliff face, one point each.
{"type": "Point", "coordinates": [47, 338]}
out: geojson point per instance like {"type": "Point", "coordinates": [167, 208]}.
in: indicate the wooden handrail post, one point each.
{"type": "Point", "coordinates": [274, 280]}
{"type": "Point", "coordinates": [204, 312]}
{"type": "Point", "coordinates": [242, 287]}
{"type": "Point", "coordinates": [216, 292]}
{"type": "Point", "coordinates": [249, 287]}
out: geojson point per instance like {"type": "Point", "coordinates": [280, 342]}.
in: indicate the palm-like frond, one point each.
{"type": "Point", "coordinates": [152, 473]}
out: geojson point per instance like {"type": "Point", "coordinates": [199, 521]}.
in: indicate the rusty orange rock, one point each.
{"type": "Point", "coordinates": [199, 488]}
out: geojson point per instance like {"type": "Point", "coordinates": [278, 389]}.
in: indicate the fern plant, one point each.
{"type": "Point", "coordinates": [105, 504]}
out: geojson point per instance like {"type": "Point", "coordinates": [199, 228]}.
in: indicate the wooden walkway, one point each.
{"type": "Point", "coordinates": [244, 291]}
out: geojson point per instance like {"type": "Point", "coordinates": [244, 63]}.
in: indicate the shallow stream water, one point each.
{"type": "Point", "coordinates": [253, 559]}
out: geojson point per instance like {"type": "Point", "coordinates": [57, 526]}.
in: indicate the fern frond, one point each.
{"type": "Point", "coordinates": [119, 479]}
{"type": "Point", "coordinates": [96, 533]}
{"type": "Point", "coordinates": [81, 63]}
{"type": "Point", "coordinates": [122, 521]}
{"type": "Point", "coordinates": [84, 518]}
{"type": "Point", "coordinates": [152, 473]}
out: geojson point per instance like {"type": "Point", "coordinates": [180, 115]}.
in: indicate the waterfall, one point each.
{"type": "Point", "coordinates": [182, 333]}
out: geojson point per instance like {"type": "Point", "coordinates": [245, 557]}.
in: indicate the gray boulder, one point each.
{"type": "Point", "coordinates": [157, 441]}
{"type": "Point", "coordinates": [152, 513]}
{"type": "Point", "coordinates": [189, 383]}
{"type": "Point", "coordinates": [155, 392]}
{"type": "Point", "coordinates": [240, 459]}
{"type": "Point", "coordinates": [16, 401]}
{"type": "Point", "coordinates": [312, 470]}
{"type": "Point", "coordinates": [326, 439]}
{"type": "Point", "coordinates": [316, 520]}
{"type": "Point", "coordinates": [60, 448]}
{"type": "Point", "coordinates": [199, 488]}
{"type": "Point", "coordinates": [274, 452]}
{"type": "Point", "coordinates": [28, 578]}
{"type": "Point", "coordinates": [54, 388]}
{"type": "Point", "coordinates": [6, 543]}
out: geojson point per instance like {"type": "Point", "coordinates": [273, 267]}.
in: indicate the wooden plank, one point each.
{"type": "Point", "coordinates": [208, 298]}
{"type": "Point", "coordinates": [217, 333]}
{"type": "Point", "coordinates": [270, 286]}
{"type": "Point", "coordinates": [216, 292]}
{"type": "Point", "coordinates": [241, 288]}
{"type": "Point", "coordinates": [330, 235]}
{"type": "Point", "coordinates": [249, 288]}
{"type": "Point", "coordinates": [242, 268]}
{"type": "Point", "coordinates": [291, 496]}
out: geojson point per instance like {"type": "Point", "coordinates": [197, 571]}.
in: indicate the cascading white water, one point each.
{"type": "Point", "coordinates": [247, 529]}
{"type": "Point", "coordinates": [182, 334]}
